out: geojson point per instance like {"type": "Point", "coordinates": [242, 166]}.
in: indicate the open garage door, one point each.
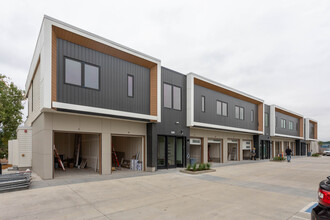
{"type": "Point", "coordinates": [127, 153]}
{"type": "Point", "coordinates": [79, 153]}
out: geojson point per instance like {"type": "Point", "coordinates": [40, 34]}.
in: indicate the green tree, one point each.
{"type": "Point", "coordinates": [11, 104]}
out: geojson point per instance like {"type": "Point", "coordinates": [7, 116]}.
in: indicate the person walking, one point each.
{"type": "Point", "coordinates": [288, 152]}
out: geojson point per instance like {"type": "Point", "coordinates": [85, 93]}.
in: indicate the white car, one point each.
{"type": "Point", "coordinates": [326, 152]}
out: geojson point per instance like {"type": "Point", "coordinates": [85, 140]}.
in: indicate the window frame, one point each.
{"type": "Point", "coordinates": [218, 101]}
{"type": "Point", "coordinates": [237, 107]}
{"type": "Point", "coordinates": [283, 125]}
{"type": "Point", "coordinates": [226, 109]}
{"type": "Point", "coordinates": [203, 99]}
{"type": "Point", "coordinates": [128, 76]}
{"type": "Point", "coordinates": [252, 115]}
{"type": "Point", "coordinates": [266, 119]}
{"type": "Point", "coordinates": [173, 98]}
{"type": "Point", "coordinates": [82, 63]}
{"type": "Point", "coordinates": [241, 108]}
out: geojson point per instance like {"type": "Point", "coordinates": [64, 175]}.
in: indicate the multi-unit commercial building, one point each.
{"type": "Point", "coordinates": [95, 100]}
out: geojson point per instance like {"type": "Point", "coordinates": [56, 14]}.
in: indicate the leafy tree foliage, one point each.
{"type": "Point", "coordinates": [11, 104]}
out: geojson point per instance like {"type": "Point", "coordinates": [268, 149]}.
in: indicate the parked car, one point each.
{"type": "Point", "coordinates": [326, 152]}
{"type": "Point", "coordinates": [322, 210]}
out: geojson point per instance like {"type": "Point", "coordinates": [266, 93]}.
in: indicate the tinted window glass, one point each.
{"type": "Point", "coordinates": [176, 98]}
{"type": "Point", "coordinates": [72, 72]}
{"type": "Point", "coordinates": [203, 103]}
{"type": "Point", "coordinates": [130, 83]}
{"type": "Point", "coordinates": [91, 76]}
{"type": "Point", "coordinates": [252, 115]}
{"type": "Point", "coordinates": [224, 109]}
{"type": "Point", "coordinates": [218, 108]}
{"type": "Point", "coordinates": [241, 113]}
{"type": "Point", "coordinates": [167, 96]}
{"type": "Point", "coordinates": [237, 112]}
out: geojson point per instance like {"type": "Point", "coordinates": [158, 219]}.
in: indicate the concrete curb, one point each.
{"type": "Point", "coordinates": [197, 172]}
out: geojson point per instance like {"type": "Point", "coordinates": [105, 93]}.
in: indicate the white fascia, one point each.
{"type": "Point", "coordinates": [272, 120]}
{"type": "Point", "coordinates": [159, 90]}
{"type": "Point", "coordinates": [190, 100]}
{"type": "Point", "coordinates": [288, 136]}
{"type": "Point", "coordinates": [84, 108]}
{"type": "Point", "coordinates": [306, 120]}
{"type": "Point", "coordinates": [207, 125]}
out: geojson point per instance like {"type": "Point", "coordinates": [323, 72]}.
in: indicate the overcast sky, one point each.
{"type": "Point", "coordinates": [278, 51]}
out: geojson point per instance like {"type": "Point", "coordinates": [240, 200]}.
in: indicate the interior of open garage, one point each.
{"type": "Point", "coordinates": [76, 153]}
{"type": "Point", "coordinates": [196, 149]}
{"type": "Point", "coordinates": [232, 151]}
{"type": "Point", "coordinates": [214, 151]}
{"type": "Point", "coordinates": [127, 153]}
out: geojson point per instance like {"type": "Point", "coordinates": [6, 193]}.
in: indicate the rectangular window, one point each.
{"type": "Point", "coordinates": [91, 79]}
{"type": "Point", "coordinates": [252, 115]}
{"type": "Point", "coordinates": [130, 85]}
{"type": "Point", "coordinates": [73, 72]}
{"type": "Point", "coordinates": [266, 119]}
{"type": "Point", "coordinates": [224, 109]}
{"type": "Point", "coordinates": [237, 112]}
{"type": "Point", "coordinates": [218, 108]}
{"type": "Point", "coordinates": [283, 122]}
{"type": "Point", "coordinates": [167, 95]}
{"type": "Point", "coordinates": [176, 98]}
{"type": "Point", "coordinates": [290, 125]}
{"type": "Point", "coordinates": [203, 103]}
{"type": "Point", "coordinates": [241, 113]}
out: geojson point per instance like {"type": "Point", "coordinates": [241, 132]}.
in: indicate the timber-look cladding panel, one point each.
{"type": "Point", "coordinates": [94, 45]}
{"type": "Point", "coordinates": [315, 128]}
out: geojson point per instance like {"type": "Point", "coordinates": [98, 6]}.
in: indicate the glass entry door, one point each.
{"type": "Point", "coordinates": [170, 152]}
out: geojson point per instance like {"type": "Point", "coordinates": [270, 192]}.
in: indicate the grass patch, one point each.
{"type": "Point", "coordinates": [278, 159]}
{"type": "Point", "coordinates": [201, 166]}
{"type": "Point", "coordinates": [316, 155]}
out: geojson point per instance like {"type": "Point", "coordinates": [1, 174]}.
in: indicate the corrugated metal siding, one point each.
{"type": "Point", "coordinates": [113, 81]}
{"type": "Point", "coordinates": [286, 131]}
{"type": "Point", "coordinates": [210, 115]}
{"type": "Point", "coordinates": [24, 147]}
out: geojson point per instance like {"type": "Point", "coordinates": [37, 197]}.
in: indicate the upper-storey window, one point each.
{"type": "Point", "coordinates": [167, 95]}
{"type": "Point", "coordinates": [283, 123]}
{"type": "Point", "coordinates": [290, 125]}
{"type": "Point", "coordinates": [252, 116]}
{"type": "Point", "coordinates": [222, 108]}
{"type": "Point", "coordinates": [176, 98]}
{"type": "Point", "coordinates": [172, 96]}
{"type": "Point", "coordinates": [81, 74]}
{"type": "Point", "coordinates": [73, 72]}
{"type": "Point", "coordinates": [266, 119]}
{"type": "Point", "coordinates": [239, 112]}
{"type": "Point", "coordinates": [91, 76]}
{"type": "Point", "coordinates": [130, 85]}
{"type": "Point", "coordinates": [203, 103]}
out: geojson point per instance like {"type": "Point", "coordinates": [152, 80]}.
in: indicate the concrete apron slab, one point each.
{"type": "Point", "coordinates": [232, 192]}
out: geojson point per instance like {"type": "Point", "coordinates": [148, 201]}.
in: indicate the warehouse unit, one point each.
{"type": "Point", "coordinates": [97, 104]}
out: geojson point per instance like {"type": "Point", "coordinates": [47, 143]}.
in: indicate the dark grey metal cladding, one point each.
{"type": "Point", "coordinates": [173, 121]}
{"type": "Point", "coordinates": [210, 115]}
{"type": "Point", "coordinates": [311, 130]}
{"type": "Point", "coordinates": [113, 81]}
{"type": "Point", "coordinates": [267, 128]}
{"type": "Point", "coordinates": [286, 130]}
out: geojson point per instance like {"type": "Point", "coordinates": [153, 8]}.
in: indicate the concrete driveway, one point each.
{"type": "Point", "coordinates": [264, 190]}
